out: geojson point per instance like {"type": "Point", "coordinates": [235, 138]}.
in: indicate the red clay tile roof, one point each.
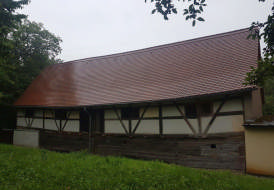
{"type": "Point", "coordinates": [202, 66]}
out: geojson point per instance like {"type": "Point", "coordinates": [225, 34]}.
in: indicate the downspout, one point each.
{"type": "Point", "coordinates": [90, 132]}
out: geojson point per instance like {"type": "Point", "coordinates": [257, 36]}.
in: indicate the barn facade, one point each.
{"type": "Point", "coordinates": [183, 102]}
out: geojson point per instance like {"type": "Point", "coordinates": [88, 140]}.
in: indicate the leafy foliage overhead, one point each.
{"type": "Point", "coordinates": [25, 49]}
{"type": "Point", "coordinates": [192, 11]}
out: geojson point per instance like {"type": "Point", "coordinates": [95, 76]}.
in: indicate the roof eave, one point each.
{"type": "Point", "coordinates": [219, 95]}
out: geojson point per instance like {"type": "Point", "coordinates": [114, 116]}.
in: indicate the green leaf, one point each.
{"type": "Point", "coordinates": [200, 19]}
{"type": "Point", "coordinates": [174, 10]}
{"type": "Point", "coordinates": [153, 11]}
{"type": "Point", "coordinates": [193, 22]}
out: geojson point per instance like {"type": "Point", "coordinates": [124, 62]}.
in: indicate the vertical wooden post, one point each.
{"type": "Point", "coordinates": [160, 120]}
{"type": "Point", "coordinates": [60, 125]}
{"type": "Point", "coordinates": [90, 132]}
{"type": "Point", "coordinates": [43, 119]}
{"type": "Point", "coordinates": [129, 127]}
{"type": "Point", "coordinates": [198, 108]}
{"type": "Point", "coordinates": [243, 107]}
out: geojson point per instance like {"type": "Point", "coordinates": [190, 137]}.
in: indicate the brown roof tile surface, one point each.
{"type": "Point", "coordinates": [206, 65]}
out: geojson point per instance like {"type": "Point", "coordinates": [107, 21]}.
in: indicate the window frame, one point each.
{"type": "Point", "coordinates": [203, 112]}
{"type": "Point", "coordinates": [188, 114]}
{"type": "Point", "coordinates": [29, 113]}
{"type": "Point", "coordinates": [130, 113]}
{"type": "Point", "coordinates": [60, 115]}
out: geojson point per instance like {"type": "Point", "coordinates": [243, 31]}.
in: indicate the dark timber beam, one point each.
{"type": "Point", "coordinates": [58, 127]}
{"type": "Point", "coordinates": [122, 123]}
{"type": "Point", "coordinates": [185, 118]}
{"type": "Point", "coordinates": [199, 115]}
{"type": "Point", "coordinates": [67, 118]}
{"type": "Point", "coordinates": [160, 120]}
{"type": "Point", "coordinates": [214, 117]}
{"type": "Point", "coordinates": [29, 121]}
{"type": "Point", "coordinates": [140, 119]}
{"type": "Point", "coordinates": [43, 119]}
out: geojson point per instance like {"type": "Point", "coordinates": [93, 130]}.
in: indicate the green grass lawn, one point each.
{"type": "Point", "coordinates": [26, 168]}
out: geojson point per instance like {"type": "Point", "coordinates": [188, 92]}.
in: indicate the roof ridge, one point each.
{"type": "Point", "coordinates": [160, 46]}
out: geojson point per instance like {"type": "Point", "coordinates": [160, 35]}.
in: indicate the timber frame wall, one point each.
{"type": "Point", "coordinates": [161, 132]}
{"type": "Point", "coordinates": [170, 119]}
{"type": "Point", "coordinates": [227, 115]}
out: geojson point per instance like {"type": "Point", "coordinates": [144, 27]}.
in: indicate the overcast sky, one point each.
{"type": "Point", "coordinates": [92, 28]}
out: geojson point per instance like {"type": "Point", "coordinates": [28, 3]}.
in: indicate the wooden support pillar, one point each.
{"type": "Point", "coordinates": [198, 108]}
{"type": "Point", "coordinates": [243, 107]}
{"type": "Point", "coordinates": [160, 120]}
{"type": "Point", "coordinates": [43, 119]}
{"type": "Point", "coordinates": [130, 126]}
{"type": "Point", "coordinates": [91, 140]}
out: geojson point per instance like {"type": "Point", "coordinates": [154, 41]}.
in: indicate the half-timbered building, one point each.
{"type": "Point", "coordinates": [183, 102]}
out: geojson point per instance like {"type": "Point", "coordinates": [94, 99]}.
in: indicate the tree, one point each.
{"type": "Point", "coordinates": [192, 11]}
{"type": "Point", "coordinates": [8, 23]}
{"type": "Point", "coordinates": [35, 49]}
{"type": "Point", "coordinates": [25, 49]}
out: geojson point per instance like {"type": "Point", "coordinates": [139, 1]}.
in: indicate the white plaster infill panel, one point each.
{"type": "Point", "coordinates": [26, 137]}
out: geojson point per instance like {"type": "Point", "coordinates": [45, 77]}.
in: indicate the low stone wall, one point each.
{"type": "Point", "coordinates": [214, 152]}
{"type": "Point", "coordinates": [26, 137]}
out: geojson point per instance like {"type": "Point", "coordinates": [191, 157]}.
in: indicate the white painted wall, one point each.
{"type": "Point", "coordinates": [26, 137]}
{"type": "Point", "coordinates": [230, 105]}
{"type": "Point", "coordinates": [38, 113]}
{"type": "Point", "coordinates": [50, 124]}
{"type": "Point", "coordinates": [20, 113]}
{"type": "Point", "coordinates": [72, 125]}
{"type": "Point", "coordinates": [150, 112]}
{"type": "Point", "coordinates": [74, 115]}
{"type": "Point", "coordinates": [171, 111]}
{"type": "Point", "coordinates": [37, 123]}
{"type": "Point", "coordinates": [146, 126]}
{"type": "Point", "coordinates": [114, 126]}
{"type": "Point", "coordinates": [110, 114]}
{"type": "Point", "coordinates": [21, 122]}
{"type": "Point", "coordinates": [223, 124]}
{"type": "Point", "coordinates": [179, 126]}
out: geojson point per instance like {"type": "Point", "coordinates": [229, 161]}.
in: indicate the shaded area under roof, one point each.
{"type": "Point", "coordinates": [201, 66]}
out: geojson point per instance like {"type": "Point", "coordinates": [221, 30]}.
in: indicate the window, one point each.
{"type": "Point", "coordinates": [206, 108]}
{"type": "Point", "coordinates": [60, 114]}
{"type": "Point", "coordinates": [29, 113]}
{"type": "Point", "coordinates": [190, 110]}
{"type": "Point", "coordinates": [130, 113]}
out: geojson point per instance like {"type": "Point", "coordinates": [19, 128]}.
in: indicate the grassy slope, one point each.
{"type": "Point", "coordinates": [25, 168]}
